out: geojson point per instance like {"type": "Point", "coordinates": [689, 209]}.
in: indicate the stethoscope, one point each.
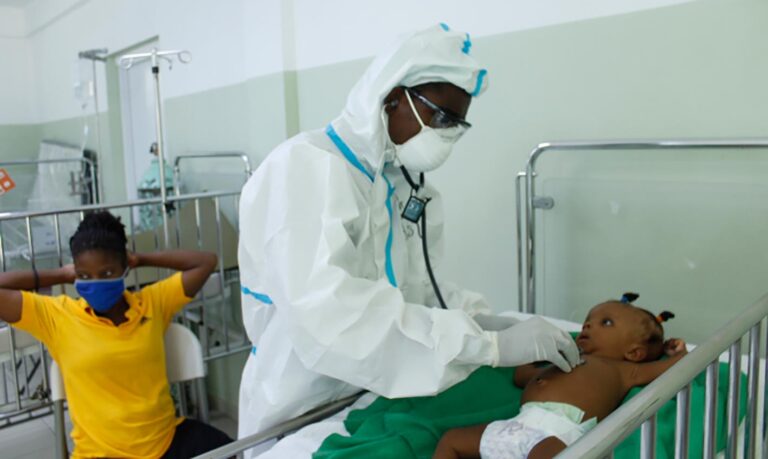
{"type": "Point", "coordinates": [415, 211]}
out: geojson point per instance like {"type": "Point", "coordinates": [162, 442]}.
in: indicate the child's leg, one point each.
{"type": "Point", "coordinates": [462, 443]}
{"type": "Point", "coordinates": [547, 448]}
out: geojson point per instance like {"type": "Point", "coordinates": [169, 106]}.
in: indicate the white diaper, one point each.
{"type": "Point", "coordinates": [515, 438]}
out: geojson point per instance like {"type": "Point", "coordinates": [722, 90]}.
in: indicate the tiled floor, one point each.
{"type": "Point", "coordinates": [35, 439]}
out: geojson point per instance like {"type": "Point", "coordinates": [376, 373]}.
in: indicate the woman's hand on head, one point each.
{"type": "Point", "coordinates": [133, 260]}
{"type": "Point", "coordinates": [68, 274]}
{"type": "Point", "coordinates": [674, 347]}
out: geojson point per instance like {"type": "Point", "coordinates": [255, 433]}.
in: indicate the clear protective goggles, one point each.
{"type": "Point", "coordinates": [447, 124]}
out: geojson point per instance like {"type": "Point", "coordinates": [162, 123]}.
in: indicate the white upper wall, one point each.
{"type": "Point", "coordinates": [341, 30]}
{"type": "Point", "coordinates": [13, 22]}
{"type": "Point", "coordinates": [234, 40]}
{"type": "Point", "coordinates": [17, 95]}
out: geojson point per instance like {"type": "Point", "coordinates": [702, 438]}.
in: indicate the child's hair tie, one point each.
{"type": "Point", "coordinates": [629, 297]}
{"type": "Point", "coordinates": [664, 316]}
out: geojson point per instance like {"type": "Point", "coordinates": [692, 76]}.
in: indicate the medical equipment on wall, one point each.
{"type": "Point", "coordinates": [154, 56]}
{"type": "Point", "coordinates": [149, 187]}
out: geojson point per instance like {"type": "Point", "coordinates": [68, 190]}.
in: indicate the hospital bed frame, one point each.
{"type": "Point", "coordinates": [639, 412]}
{"type": "Point", "coordinates": [247, 169]}
{"type": "Point", "coordinates": [197, 316]}
{"type": "Point", "coordinates": [89, 185]}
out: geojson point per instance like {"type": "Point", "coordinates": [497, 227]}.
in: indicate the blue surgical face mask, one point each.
{"type": "Point", "coordinates": [101, 294]}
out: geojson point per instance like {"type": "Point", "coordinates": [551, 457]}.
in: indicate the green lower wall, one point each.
{"type": "Point", "coordinates": [223, 382]}
{"type": "Point", "coordinates": [19, 141]}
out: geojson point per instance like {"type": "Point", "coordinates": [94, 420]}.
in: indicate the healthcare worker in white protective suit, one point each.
{"type": "Point", "coordinates": [336, 293]}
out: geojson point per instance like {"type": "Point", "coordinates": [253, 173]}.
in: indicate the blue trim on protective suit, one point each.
{"type": "Point", "coordinates": [467, 45]}
{"type": "Point", "coordinates": [346, 151]}
{"type": "Point", "coordinates": [259, 296]}
{"type": "Point", "coordinates": [445, 26]}
{"type": "Point", "coordinates": [388, 264]}
{"type": "Point", "coordinates": [480, 77]}
{"type": "Point", "coordinates": [352, 158]}
{"type": "Point", "coordinates": [253, 350]}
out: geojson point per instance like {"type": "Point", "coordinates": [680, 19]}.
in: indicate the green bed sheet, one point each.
{"type": "Point", "coordinates": [411, 427]}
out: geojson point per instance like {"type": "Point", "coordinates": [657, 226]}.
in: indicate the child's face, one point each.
{"type": "Point", "coordinates": [98, 264]}
{"type": "Point", "coordinates": [614, 330]}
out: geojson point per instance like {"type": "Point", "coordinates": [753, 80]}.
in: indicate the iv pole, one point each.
{"type": "Point", "coordinates": [94, 55]}
{"type": "Point", "coordinates": [126, 62]}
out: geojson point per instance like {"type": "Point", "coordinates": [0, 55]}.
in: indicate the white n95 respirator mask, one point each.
{"type": "Point", "coordinates": [427, 150]}
{"type": "Point", "coordinates": [424, 152]}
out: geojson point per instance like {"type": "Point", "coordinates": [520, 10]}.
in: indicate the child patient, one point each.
{"type": "Point", "coordinates": [620, 345]}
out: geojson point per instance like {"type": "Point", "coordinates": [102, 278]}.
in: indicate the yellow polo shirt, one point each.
{"type": "Point", "coordinates": [114, 377]}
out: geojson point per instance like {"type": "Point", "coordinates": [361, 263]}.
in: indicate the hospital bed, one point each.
{"type": "Point", "coordinates": [62, 176]}
{"type": "Point", "coordinates": [301, 436]}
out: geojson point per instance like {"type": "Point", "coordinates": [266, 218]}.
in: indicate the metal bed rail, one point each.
{"type": "Point", "coordinates": [527, 257]}
{"type": "Point", "coordinates": [224, 154]}
{"type": "Point", "coordinates": [236, 448]}
{"type": "Point", "coordinates": [210, 315]}
{"type": "Point", "coordinates": [87, 163]}
{"type": "Point", "coordinates": [641, 410]}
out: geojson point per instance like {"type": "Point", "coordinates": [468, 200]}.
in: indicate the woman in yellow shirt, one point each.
{"type": "Point", "coordinates": [109, 342]}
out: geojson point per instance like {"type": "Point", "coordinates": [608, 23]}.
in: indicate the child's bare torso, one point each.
{"type": "Point", "coordinates": [597, 387]}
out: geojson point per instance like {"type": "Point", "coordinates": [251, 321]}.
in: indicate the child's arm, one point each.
{"type": "Point", "coordinates": [644, 373]}
{"type": "Point", "coordinates": [525, 373]}
{"type": "Point", "coordinates": [12, 282]}
{"type": "Point", "coordinates": [462, 443]}
{"type": "Point", "coordinates": [195, 266]}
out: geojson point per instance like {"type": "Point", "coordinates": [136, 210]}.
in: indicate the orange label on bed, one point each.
{"type": "Point", "coordinates": [6, 182]}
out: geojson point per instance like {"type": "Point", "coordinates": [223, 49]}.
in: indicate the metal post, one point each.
{"type": "Point", "coordinates": [734, 367]}
{"type": "Point", "coordinates": [530, 226]}
{"type": "Point", "coordinates": [518, 233]}
{"type": "Point", "coordinates": [2, 249]}
{"type": "Point", "coordinates": [11, 337]}
{"type": "Point", "coordinates": [203, 326]}
{"type": "Point", "coordinates": [237, 212]}
{"type": "Point", "coordinates": [177, 221]}
{"type": "Point", "coordinates": [220, 244]}
{"type": "Point", "coordinates": [682, 423]}
{"type": "Point", "coordinates": [41, 350]}
{"type": "Point", "coordinates": [648, 439]}
{"type": "Point", "coordinates": [764, 433]}
{"type": "Point", "coordinates": [160, 146]}
{"type": "Point", "coordinates": [202, 395]}
{"type": "Point", "coordinates": [59, 251]}
{"type": "Point", "coordinates": [14, 370]}
{"type": "Point", "coordinates": [97, 192]}
{"type": "Point", "coordinates": [60, 426]}
{"type": "Point", "coordinates": [710, 410]}
{"type": "Point", "coordinates": [754, 375]}
{"type": "Point", "coordinates": [131, 223]}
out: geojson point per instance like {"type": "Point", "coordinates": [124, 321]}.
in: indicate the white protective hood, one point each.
{"type": "Point", "coordinates": [435, 55]}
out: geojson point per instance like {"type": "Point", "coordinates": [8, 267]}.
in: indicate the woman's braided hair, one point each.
{"type": "Point", "coordinates": [100, 230]}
